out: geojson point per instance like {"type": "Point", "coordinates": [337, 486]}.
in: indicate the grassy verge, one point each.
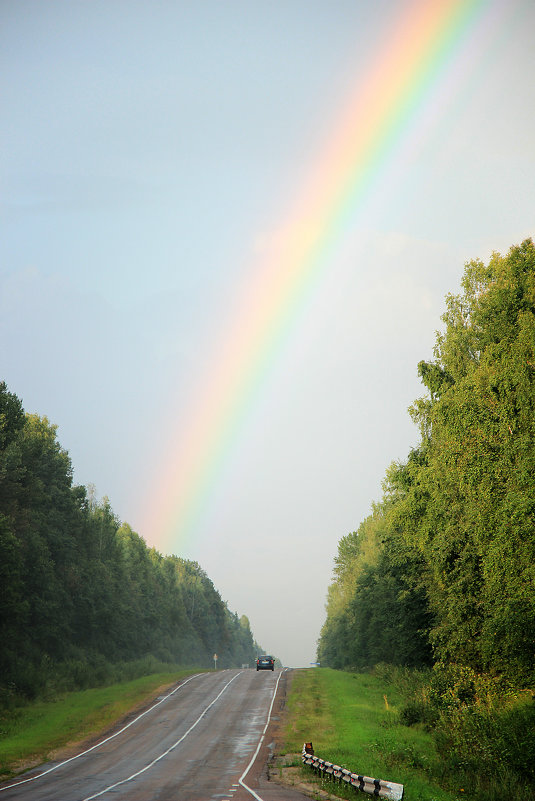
{"type": "Point", "coordinates": [353, 721]}
{"type": "Point", "coordinates": [30, 734]}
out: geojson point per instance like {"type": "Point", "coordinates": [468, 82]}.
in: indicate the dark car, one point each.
{"type": "Point", "coordinates": [265, 663]}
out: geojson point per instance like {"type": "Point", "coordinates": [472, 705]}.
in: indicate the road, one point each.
{"type": "Point", "coordinates": [208, 738]}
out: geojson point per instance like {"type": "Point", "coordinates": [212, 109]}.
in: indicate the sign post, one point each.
{"type": "Point", "coordinates": [215, 661]}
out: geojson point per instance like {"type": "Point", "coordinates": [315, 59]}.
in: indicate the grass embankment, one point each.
{"type": "Point", "coordinates": [353, 721]}
{"type": "Point", "coordinates": [30, 734]}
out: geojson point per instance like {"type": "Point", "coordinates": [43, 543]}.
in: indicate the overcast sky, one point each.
{"type": "Point", "coordinates": [149, 153]}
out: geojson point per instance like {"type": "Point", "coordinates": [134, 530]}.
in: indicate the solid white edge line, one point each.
{"type": "Point", "coordinates": [102, 742]}
{"type": "Point", "coordinates": [164, 754]}
{"type": "Point", "coordinates": [251, 763]}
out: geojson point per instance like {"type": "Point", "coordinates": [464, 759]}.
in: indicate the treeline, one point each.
{"type": "Point", "coordinates": [444, 568]}
{"type": "Point", "coordinates": [440, 577]}
{"type": "Point", "coordinates": [81, 592]}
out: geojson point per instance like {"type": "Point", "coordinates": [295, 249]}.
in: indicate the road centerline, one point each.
{"type": "Point", "coordinates": [167, 751]}
{"type": "Point", "coordinates": [102, 742]}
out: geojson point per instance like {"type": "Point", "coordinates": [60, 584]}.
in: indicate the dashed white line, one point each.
{"type": "Point", "coordinates": [165, 753]}
{"type": "Point", "coordinates": [102, 742]}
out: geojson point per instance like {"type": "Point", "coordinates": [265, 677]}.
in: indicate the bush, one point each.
{"type": "Point", "coordinates": [484, 730]}
{"type": "Point", "coordinates": [492, 738]}
{"type": "Point", "coordinates": [419, 710]}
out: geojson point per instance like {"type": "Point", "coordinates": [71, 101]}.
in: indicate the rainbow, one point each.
{"type": "Point", "coordinates": [422, 46]}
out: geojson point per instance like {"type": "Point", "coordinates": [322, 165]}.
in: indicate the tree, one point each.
{"type": "Point", "coordinates": [455, 561]}
{"type": "Point", "coordinates": [80, 590]}
{"type": "Point", "coordinates": [478, 535]}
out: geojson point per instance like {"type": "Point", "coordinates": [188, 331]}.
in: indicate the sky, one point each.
{"type": "Point", "coordinates": [227, 230]}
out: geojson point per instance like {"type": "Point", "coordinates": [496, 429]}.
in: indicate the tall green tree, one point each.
{"type": "Point", "coordinates": [478, 423]}
{"type": "Point", "coordinates": [456, 562]}
{"type": "Point", "coordinates": [80, 589]}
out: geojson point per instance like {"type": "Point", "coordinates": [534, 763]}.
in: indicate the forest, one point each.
{"type": "Point", "coordinates": [440, 577]}
{"type": "Point", "coordinates": [82, 594]}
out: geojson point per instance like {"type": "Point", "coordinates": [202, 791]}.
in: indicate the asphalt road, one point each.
{"type": "Point", "coordinates": [207, 739]}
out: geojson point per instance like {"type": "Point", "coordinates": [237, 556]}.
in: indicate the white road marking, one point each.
{"type": "Point", "coordinates": [251, 763]}
{"type": "Point", "coordinates": [165, 753]}
{"type": "Point", "coordinates": [102, 742]}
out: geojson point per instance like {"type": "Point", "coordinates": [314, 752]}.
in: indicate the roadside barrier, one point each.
{"type": "Point", "coordinates": [377, 787]}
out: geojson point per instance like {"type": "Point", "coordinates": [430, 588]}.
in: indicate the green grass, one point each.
{"type": "Point", "coordinates": [31, 733]}
{"type": "Point", "coordinates": [352, 721]}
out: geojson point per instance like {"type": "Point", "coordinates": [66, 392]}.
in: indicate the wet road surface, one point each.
{"type": "Point", "coordinates": [207, 739]}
